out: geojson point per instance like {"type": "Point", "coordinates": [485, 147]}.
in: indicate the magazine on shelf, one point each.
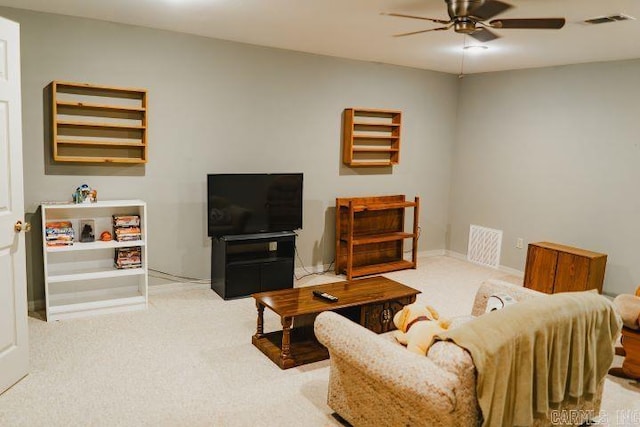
{"type": "Point", "coordinates": [127, 234]}
{"type": "Point", "coordinates": [126, 228]}
{"type": "Point", "coordinates": [126, 220]}
{"type": "Point", "coordinates": [128, 257]}
{"type": "Point", "coordinates": [59, 233]}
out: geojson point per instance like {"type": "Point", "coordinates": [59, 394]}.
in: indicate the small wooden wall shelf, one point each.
{"type": "Point", "coordinates": [98, 124]}
{"type": "Point", "coordinates": [371, 137]}
{"type": "Point", "coordinates": [370, 235]}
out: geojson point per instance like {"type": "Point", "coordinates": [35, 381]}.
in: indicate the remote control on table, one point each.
{"type": "Point", "coordinates": [326, 296]}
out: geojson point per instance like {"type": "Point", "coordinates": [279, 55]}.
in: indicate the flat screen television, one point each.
{"type": "Point", "coordinates": [253, 203]}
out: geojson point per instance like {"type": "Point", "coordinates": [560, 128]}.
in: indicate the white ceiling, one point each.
{"type": "Point", "coordinates": [355, 29]}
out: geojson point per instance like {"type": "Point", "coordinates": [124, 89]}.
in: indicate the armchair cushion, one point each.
{"type": "Point", "coordinates": [629, 308]}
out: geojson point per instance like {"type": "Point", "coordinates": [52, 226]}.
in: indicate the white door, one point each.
{"type": "Point", "coordinates": [14, 350]}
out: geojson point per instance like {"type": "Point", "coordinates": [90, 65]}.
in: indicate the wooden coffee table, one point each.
{"type": "Point", "coordinates": [372, 302]}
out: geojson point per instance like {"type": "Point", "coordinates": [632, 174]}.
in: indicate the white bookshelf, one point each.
{"type": "Point", "coordinates": [80, 279]}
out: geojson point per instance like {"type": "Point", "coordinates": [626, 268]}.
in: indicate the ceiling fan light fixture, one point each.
{"type": "Point", "coordinates": [476, 48]}
{"type": "Point", "coordinates": [464, 26]}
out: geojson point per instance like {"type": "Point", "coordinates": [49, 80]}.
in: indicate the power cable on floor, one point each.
{"type": "Point", "coordinates": [183, 279]}
{"type": "Point", "coordinates": [309, 273]}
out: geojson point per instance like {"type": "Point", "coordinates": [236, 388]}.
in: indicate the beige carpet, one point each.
{"type": "Point", "coordinates": [188, 361]}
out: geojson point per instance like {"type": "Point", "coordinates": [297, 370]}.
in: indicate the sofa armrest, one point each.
{"type": "Point", "coordinates": [386, 362]}
{"type": "Point", "coordinates": [492, 286]}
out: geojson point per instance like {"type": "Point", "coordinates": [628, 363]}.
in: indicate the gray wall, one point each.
{"type": "Point", "coordinates": [217, 106]}
{"type": "Point", "coordinates": [544, 154]}
{"type": "Point", "coordinates": [552, 154]}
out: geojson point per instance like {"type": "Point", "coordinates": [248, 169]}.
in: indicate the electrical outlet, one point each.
{"type": "Point", "coordinates": [273, 246]}
{"type": "Point", "coordinates": [520, 243]}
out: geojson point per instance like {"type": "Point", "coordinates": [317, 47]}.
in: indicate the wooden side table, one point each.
{"type": "Point", "coordinates": [553, 268]}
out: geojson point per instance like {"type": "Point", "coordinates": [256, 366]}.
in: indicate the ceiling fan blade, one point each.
{"type": "Point", "coordinates": [489, 9]}
{"type": "Point", "coordinates": [422, 31]}
{"type": "Point", "coordinates": [532, 24]}
{"type": "Point", "coordinates": [484, 35]}
{"type": "Point", "coordinates": [400, 15]}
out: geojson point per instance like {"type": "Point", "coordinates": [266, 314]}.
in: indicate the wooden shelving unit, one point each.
{"type": "Point", "coordinates": [370, 235]}
{"type": "Point", "coordinates": [80, 279]}
{"type": "Point", "coordinates": [98, 124]}
{"type": "Point", "coordinates": [371, 137]}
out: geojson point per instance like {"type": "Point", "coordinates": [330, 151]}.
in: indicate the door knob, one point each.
{"type": "Point", "coordinates": [22, 226]}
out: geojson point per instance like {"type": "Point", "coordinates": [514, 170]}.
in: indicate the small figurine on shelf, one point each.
{"type": "Point", "coordinates": [105, 236]}
{"type": "Point", "coordinates": [85, 194]}
{"type": "Point", "coordinates": [87, 234]}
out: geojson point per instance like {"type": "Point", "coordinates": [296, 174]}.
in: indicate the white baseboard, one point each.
{"type": "Point", "coordinates": [36, 305]}
{"type": "Point", "coordinates": [432, 253]}
{"type": "Point", "coordinates": [502, 268]}
{"type": "Point", "coordinates": [299, 272]}
{"type": "Point", "coordinates": [302, 271]}
{"type": "Point", "coordinates": [39, 305]}
{"type": "Point", "coordinates": [177, 286]}
{"type": "Point", "coordinates": [456, 255]}
{"type": "Point", "coordinates": [316, 269]}
{"type": "Point", "coordinates": [510, 270]}
{"type": "Point", "coordinates": [322, 268]}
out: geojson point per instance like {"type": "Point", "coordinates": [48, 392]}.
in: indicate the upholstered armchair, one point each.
{"type": "Point", "coordinates": [629, 308]}
{"type": "Point", "coordinates": [375, 381]}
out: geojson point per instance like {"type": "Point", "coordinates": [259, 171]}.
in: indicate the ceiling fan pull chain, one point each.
{"type": "Point", "coordinates": [464, 45]}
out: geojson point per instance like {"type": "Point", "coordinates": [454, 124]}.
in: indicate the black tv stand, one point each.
{"type": "Point", "coordinates": [244, 264]}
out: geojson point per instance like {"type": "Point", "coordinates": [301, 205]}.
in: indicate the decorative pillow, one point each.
{"type": "Point", "coordinates": [628, 307]}
{"type": "Point", "coordinates": [498, 301]}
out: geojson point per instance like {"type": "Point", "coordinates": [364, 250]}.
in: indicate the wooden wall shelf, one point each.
{"type": "Point", "coordinates": [371, 137]}
{"type": "Point", "coordinates": [370, 235]}
{"type": "Point", "coordinates": [98, 124]}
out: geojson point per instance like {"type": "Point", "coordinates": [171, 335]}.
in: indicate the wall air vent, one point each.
{"type": "Point", "coordinates": [611, 18]}
{"type": "Point", "coordinates": [484, 245]}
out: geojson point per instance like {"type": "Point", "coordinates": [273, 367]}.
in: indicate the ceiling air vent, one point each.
{"type": "Point", "coordinates": [611, 18]}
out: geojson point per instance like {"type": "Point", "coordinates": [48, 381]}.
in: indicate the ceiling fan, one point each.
{"type": "Point", "coordinates": [469, 16]}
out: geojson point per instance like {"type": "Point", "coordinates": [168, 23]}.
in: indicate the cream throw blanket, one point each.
{"type": "Point", "coordinates": [538, 352]}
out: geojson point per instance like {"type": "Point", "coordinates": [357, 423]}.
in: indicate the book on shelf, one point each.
{"type": "Point", "coordinates": [128, 257]}
{"type": "Point", "coordinates": [59, 242]}
{"type": "Point", "coordinates": [59, 233]}
{"type": "Point", "coordinates": [126, 228]}
{"type": "Point", "coordinates": [126, 220]}
{"type": "Point", "coordinates": [127, 234]}
{"type": "Point", "coordinates": [58, 224]}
